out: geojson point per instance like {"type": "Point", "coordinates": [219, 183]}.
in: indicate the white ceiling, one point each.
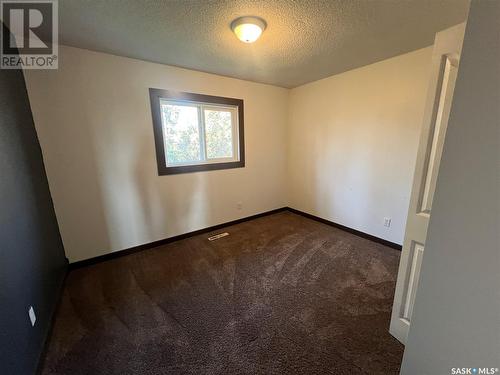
{"type": "Point", "coordinates": [305, 40]}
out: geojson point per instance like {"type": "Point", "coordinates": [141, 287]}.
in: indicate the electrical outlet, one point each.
{"type": "Point", "coordinates": [239, 205]}
{"type": "Point", "coordinates": [31, 313]}
{"type": "Point", "coordinates": [387, 222]}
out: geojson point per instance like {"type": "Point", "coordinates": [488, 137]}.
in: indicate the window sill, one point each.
{"type": "Point", "coordinates": [162, 171]}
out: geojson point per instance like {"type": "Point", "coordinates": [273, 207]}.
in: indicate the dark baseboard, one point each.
{"type": "Point", "coordinates": [149, 245]}
{"type": "Point", "coordinates": [347, 229]}
{"type": "Point", "coordinates": [55, 307]}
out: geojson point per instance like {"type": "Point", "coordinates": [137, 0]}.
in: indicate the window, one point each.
{"type": "Point", "coordinates": [195, 132]}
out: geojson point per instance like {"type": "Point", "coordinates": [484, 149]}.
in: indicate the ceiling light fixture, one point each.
{"type": "Point", "coordinates": [248, 29]}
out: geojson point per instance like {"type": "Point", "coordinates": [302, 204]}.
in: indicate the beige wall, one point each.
{"type": "Point", "coordinates": [352, 141]}
{"type": "Point", "coordinates": [93, 119]}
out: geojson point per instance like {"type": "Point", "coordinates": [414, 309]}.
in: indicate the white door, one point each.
{"type": "Point", "coordinates": [445, 57]}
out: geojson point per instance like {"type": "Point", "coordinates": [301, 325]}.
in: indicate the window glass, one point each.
{"type": "Point", "coordinates": [181, 133]}
{"type": "Point", "coordinates": [218, 134]}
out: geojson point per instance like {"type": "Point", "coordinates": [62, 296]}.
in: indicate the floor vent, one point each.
{"type": "Point", "coordinates": [217, 236]}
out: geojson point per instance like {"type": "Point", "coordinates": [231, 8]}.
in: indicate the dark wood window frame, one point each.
{"type": "Point", "coordinates": [157, 94]}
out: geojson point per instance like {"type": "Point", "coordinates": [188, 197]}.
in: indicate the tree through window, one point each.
{"type": "Point", "coordinates": [195, 132]}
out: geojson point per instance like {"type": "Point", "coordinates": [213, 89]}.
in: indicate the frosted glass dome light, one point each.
{"type": "Point", "coordinates": [248, 29]}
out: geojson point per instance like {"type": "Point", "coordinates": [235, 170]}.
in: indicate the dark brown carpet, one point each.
{"type": "Point", "coordinates": [282, 294]}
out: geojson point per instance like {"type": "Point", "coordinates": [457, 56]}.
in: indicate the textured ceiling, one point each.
{"type": "Point", "coordinates": [305, 40]}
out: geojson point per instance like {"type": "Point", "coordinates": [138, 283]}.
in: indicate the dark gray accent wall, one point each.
{"type": "Point", "coordinates": [32, 261]}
